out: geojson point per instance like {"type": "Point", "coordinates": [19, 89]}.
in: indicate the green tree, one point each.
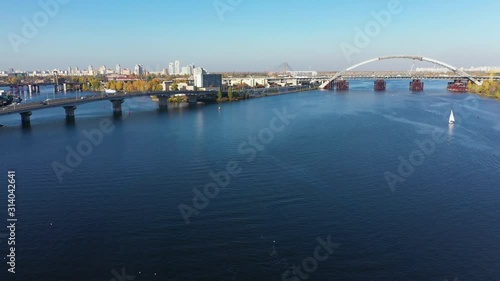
{"type": "Point", "coordinates": [230, 93]}
{"type": "Point", "coordinates": [219, 95]}
{"type": "Point", "coordinates": [95, 84]}
{"type": "Point", "coordinates": [175, 87]}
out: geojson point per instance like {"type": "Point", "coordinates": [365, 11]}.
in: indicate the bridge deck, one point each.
{"type": "Point", "coordinates": [74, 102]}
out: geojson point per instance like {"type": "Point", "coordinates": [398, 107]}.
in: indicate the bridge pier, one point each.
{"type": "Point", "coordinates": [192, 100]}
{"type": "Point", "coordinates": [117, 106]}
{"type": "Point", "coordinates": [342, 85]}
{"type": "Point", "coordinates": [416, 85]}
{"type": "Point", "coordinates": [25, 118]}
{"type": "Point", "coordinates": [330, 85]}
{"type": "Point", "coordinates": [379, 85]}
{"type": "Point", "coordinates": [70, 112]}
{"type": "Point", "coordinates": [162, 101]}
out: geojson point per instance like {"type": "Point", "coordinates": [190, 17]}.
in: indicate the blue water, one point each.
{"type": "Point", "coordinates": [322, 174]}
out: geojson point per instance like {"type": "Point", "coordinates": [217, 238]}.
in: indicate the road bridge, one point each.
{"type": "Point", "coordinates": [327, 84]}
{"type": "Point", "coordinates": [70, 104]}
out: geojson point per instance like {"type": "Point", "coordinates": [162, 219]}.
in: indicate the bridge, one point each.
{"type": "Point", "coordinates": [327, 84]}
{"type": "Point", "coordinates": [70, 104]}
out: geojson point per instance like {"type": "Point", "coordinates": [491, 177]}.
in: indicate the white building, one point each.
{"type": "Point", "coordinates": [307, 73]}
{"type": "Point", "coordinates": [198, 76]}
{"type": "Point", "coordinates": [102, 70]}
{"type": "Point", "coordinates": [190, 69]}
{"type": "Point", "coordinates": [138, 69]}
{"type": "Point", "coordinates": [184, 70]}
{"type": "Point", "coordinates": [118, 69]}
{"type": "Point", "coordinates": [177, 66]}
{"type": "Point", "coordinates": [91, 70]}
{"type": "Point", "coordinates": [171, 69]}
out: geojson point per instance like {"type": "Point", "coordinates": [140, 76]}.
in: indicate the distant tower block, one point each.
{"type": "Point", "coordinates": [379, 85]}
{"type": "Point", "coordinates": [416, 85]}
{"type": "Point", "coordinates": [342, 85]}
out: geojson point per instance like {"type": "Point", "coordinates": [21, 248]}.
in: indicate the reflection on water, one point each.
{"type": "Point", "coordinates": [450, 129]}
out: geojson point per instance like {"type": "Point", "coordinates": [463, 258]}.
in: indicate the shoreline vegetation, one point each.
{"type": "Point", "coordinates": [489, 89]}
{"type": "Point", "coordinates": [233, 96]}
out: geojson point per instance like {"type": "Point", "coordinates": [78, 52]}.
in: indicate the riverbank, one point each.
{"type": "Point", "coordinates": [266, 92]}
{"type": "Point", "coordinates": [489, 89]}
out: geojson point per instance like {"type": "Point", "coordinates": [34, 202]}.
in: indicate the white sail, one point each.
{"type": "Point", "coordinates": [452, 118]}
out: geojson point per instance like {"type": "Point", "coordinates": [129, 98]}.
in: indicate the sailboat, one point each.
{"type": "Point", "coordinates": [452, 118]}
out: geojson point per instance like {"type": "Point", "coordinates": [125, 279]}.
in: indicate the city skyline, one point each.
{"type": "Point", "coordinates": [228, 36]}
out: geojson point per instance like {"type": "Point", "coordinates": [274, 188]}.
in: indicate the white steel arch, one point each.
{"type": "Point", "coordinates": [450, 67]}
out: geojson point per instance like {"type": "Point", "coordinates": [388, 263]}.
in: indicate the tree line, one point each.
{"type": "Point", "coordinates": [489, 88]}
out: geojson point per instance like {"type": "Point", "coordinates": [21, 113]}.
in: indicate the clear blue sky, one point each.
{"type": "Point", "coordinates": [251, 35]}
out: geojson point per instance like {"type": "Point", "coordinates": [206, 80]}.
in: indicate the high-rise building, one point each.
{"type": "Point", "coordinates": [198, 76]}
{"type": "Point", "coordinates": [91, 70]}
{"type": "Point", "coordinates": [138, 69]}
{"type": "Point", "coordinates": [118, 69]}
{"type": "Point", "coordinates": [171, 68]}
{"type": "Point", "coordinates": [177, 69]}
{"type": "Point", "coordinates": [190, 69]}
{"type": "Point", "coordinates": [102, 70]}
{"type": "Point", "coordinates": [212, 81]}
{"type": "Point", "coordinates": [184, 70]}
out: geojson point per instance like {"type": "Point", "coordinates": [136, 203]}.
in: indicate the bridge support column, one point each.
{"type": "Point", "coordinates": [163, 101]}
{"type": "Point", "coordinates": [25, 118]}
{"type": "Point", "coordinates": [416, 85]}
{"type": "Point", "coordinates": [192, 99]}
{"type": "Point", "coordinates": [117, 107]}
{"type": "Point", "coordinates": [330, 85]}
{"type": "Point", "coordinates": [379, 85]}
{"type": "Point", "coordinates": [70, 112]}
{"type": "Point", "coordinates": [342, 85]}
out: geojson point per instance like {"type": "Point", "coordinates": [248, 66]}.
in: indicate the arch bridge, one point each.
{"type": "Point", "coordinates": [419, 58]}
